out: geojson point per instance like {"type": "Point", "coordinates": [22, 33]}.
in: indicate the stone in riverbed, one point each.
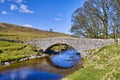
{"type": "Point", "coordinates": [6, 63]}
{"type": "Point", "coordinates": [32, 56]}
{"type": "Point", "coordinates": [24, 59]}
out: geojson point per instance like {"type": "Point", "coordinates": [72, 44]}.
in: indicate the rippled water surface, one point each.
{"type": "Point", "coordinates": [46, 68]}
{"type": "Point", "coordinates": [28, 74]}
{"type": "Point", "coordinates": [66, 59]}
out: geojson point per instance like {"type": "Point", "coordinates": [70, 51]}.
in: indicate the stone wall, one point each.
{"type": "Point", "coordinates": [80, 44]}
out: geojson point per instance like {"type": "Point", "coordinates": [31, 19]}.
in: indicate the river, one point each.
{"type": "Point", "coordinates": [46, 68]}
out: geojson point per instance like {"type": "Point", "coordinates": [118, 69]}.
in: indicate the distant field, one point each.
{"type": "Point", "coordinates": [14, 32]}
{"type": "Point", "coordinates": [103, 64]}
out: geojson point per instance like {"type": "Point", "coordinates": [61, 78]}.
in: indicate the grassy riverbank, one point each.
{"type": "Point", "coordinates": [10, 51]}
{"type": "Point", "coordinates": [103, 64]}
{"type": "Point", "coordinates": [10, 34]}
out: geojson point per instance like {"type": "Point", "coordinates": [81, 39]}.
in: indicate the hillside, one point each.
{"type": "Point", "coordinates": [103, 64]}
{"type": "Point", "coordinates": [15, 32]}
{"type": "Point", "coordinates": [12, 51]}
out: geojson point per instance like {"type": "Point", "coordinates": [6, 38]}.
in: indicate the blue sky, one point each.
{"type": "Point", "coordinates": [40, 14]}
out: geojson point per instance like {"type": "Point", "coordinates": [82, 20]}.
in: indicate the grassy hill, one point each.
{"type": "Point", "coordinates": [103, 64]}
{"type": "Point", "coordinates": [15, 32]}
{"type": "Point", "coordinates": [13, 51]}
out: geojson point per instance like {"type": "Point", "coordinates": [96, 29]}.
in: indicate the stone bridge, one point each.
{"type": "Point", "coordinates": [80, 44]}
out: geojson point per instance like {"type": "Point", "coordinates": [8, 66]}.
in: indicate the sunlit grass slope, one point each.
{"type": "Point", "coordinates": [10, 51]}
{"type": "Point", "coordinates": [104, 64]}
{"type": "Point", "coordinates": [15, 32]}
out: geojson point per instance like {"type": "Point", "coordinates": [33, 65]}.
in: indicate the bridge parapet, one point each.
{"type": "Point", "coordinates": [80, 44]}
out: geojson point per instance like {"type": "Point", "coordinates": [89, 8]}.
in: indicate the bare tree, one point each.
{"type": "Point", "coordinates": [97, 19]}
{"type": "Point", "coordinates": [115, 18]}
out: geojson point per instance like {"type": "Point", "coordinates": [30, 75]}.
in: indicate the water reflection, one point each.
{"type": "Point", "coordinates": [42, 69]}
{"type": "Point", "coordinates": [66, 59]}
{"type": "Point", "coordinates": [28, 74]}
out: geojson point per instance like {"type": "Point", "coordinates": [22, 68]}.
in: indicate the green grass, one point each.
{"type": "Point", "coordinates": [14, 51]}
{"type": "Point", "coordinates": [10, 51]}
{"type": "Point", "coordinates": [103, 64]}
{"type": "Point", "coordinates": [60, 47]}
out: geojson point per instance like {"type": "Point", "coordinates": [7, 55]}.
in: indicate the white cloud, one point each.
{"type": "Point", "coordinates": [27, 25]}
{"type": "Point", "coordinates": [13, 7]}
{"type": "Point", "coordinates": [18, 1]}
{"type": "Point", "coordinates": [24, 8]}
{"type": "Point", "coordinates": [57, 19]}
{"type": "Point", "coordinates": [2, 1]}
{"type": "Point", "coordinates": [18, 5]}
{"type": "Point", "coordinates": [4, 12]}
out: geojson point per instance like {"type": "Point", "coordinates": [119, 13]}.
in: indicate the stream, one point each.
{"type": "Point", "coordinates": [52, 67]}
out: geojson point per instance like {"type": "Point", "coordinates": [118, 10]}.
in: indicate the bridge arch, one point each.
{"type": "Point", "coordinates": [46, 43]}
{"type": "Point", "coordinates": [80, 44]}
{"type": "Point", "coordinates": [59, 47]}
